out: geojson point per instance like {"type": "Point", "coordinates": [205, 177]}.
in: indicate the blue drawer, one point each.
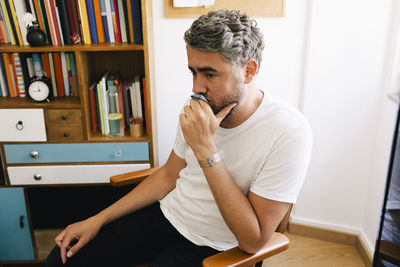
{"type": "Point", "coordinates": [85, 152]}
{"type": "Point", "coordinates": [16, 241]}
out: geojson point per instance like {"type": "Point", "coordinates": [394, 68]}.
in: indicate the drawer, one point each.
{"type": "Point", "coordinates": [66, 117]}
{"type": "Point", "coordinates": [76, 152]}
{"type": "Point", "coordinates": [16, 240]}
{"type": "Point", "coordinates": [65, 133]}
{"type": "Point", "coordinates": [76, 174]}
{"type": "Point", "coordinates": [22, 125]}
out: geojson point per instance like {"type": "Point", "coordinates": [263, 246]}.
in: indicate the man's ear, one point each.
{"type": "Point", "coordinates": [251, 70]}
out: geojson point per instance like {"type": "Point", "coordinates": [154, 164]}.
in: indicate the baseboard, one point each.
{"type": "Point", "coordinates": [332, 236]}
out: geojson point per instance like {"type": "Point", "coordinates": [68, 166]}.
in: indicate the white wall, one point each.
{"type": "Point", "coordinates": [327, 58]}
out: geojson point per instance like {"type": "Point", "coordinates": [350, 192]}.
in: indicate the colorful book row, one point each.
{"type": "Point", "coordinates": [111, 95]}
{"type": "Point", "coordinates": [17, 69]}
{"type": "Point", "coordinates": [68, 22]}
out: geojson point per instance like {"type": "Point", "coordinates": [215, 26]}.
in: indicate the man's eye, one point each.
{"type": "Point", "coordinates": [210, 75]}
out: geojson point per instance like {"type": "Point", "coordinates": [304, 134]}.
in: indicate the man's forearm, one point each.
{"type": "Point", "coordinates": [147, 192]}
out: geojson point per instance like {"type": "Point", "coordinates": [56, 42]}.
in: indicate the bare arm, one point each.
{"type": "Point", "coordinates": [152, 189]}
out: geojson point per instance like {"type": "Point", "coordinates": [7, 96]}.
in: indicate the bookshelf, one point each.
{"type": "Point", "coordinates": [67, 180]}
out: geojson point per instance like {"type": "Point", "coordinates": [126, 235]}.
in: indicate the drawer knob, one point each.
{"type": "Point", "coordinates": [37, 177]}
{"type": "Point", "coordinates": [19, 125]}
{"type": "Point", "coordinates": [118, 153]}
{"type": "Point", "coordinates": [66, 134]}
{"type": "Point", "coordinates": [64, 117]}
{"type": "Point", "coordinates": [34, 154]}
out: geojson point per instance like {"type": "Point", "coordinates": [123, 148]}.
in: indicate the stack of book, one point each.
{"type": "Point", "coordinates": [129, 100]}
{"type": "Point", "coordinates": [68, 22]}
{"type": "Point", "coordinates": [16, 70]}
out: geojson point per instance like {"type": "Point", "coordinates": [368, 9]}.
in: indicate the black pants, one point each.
{"type": "Point", "coordinates": [143, 236]}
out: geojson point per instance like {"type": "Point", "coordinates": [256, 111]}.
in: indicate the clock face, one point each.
{"type": "Point", "coordinates": [38, 91]}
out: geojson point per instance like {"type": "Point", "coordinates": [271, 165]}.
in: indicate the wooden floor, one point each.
{"type": "Point", "coordinates": [305, 251]}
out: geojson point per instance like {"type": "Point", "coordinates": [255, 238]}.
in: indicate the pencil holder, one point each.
{"type": "Point", "coordinates": [136, 129]}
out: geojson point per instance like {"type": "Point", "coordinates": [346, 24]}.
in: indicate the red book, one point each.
{"type": "Point", "coordinates": [92, 107]}
{"type": "Point", "coordinates": [46, 64]}
{"type": "Point", "coordinates": [118, 30]}
{"type": "Point", "coordinates": [14, 75]}
{"type": "Point", "coordinates": [55, 22]}
{"type": "Point", "coordinates": [59, 74]}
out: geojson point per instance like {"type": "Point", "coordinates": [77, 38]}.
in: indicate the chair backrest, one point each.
{"type": "Point", "coordinates": [283, 224]}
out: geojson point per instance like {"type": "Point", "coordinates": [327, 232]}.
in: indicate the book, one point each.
{"type": "Point", "coordinates": [127, 25]}
{"type": "Point", "coordinates": [59, 74]}
{"type": "Point", "coordinates": [104, 21]}
{"type": "Point", "coordinates": [85, 22]}
{"type": "Point", "coordinates": [100, 109]}
{"type": "Point", "coordinates": [65, 25]}
{"type": "Point", "coordinates": [13, 75]}
{"type": "Point", "coordinates": [46, 27]}
{"type": "Point", "coordinates": [144, 101]}
{"type": "Point", "coordinates": [31, 67]}
{"type": "Point", "coordinates": [19, 75]}
{"type": "Point", "coordinates": [110, 25]}
{"type": "Point", "coordinates": [37, 64]}
{"type": "Point", "coordinates": [3, 78]}
{"type": "Point", "coordinates": [73, 22]}
{"type": "Point", "coordinates": [58, 26]}
{"type": "Point", "coordinates": [25, 70]}
{"type": "Point", "coordinates": [65, 74]}
{"type": "Point", "coordinates": [46, 65]}
{"type": "Point", "coordinates": [104, 102]}
{"type": "Point", "coordinates": [3, 32]}
{"type": "Point", "coordinates": [99, 22]}
{"type": "Point", "coordinates": [92, 106]}
{"type": "Point", "coordinates": [20, 10]}
{"type": "Point", "coordinates": [92, 21]}
{"type": "Point", "coordinates": [122, 24]}
{"type": "Point", "coordinates": [51, 19]}
{"type": "Point", "coordinates": [6, 18]}
{"type": "Point", "coordinates": [74, 76]}
{"type": "Point", "coordinates": [13, 19]}
{"type": "Point", "coordinates": [114, 13]}
{"type": "Point", "coordinates": [137, 21]}
{"type": "Point", "coordinates": [53, 75]}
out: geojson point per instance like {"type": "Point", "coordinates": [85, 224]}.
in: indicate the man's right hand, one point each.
{"type": "Point", "coordinates": [82, 231]}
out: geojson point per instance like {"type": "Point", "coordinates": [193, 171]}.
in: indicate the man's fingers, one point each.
{"type": "Point", "coordinates": [222, 114]}
{"type": "Point", "coordinates": [59, 238]}
{"type": "Point", "coordinates": [75, 247]}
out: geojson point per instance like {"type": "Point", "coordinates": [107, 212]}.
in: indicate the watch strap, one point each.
{"type": "Point", "coordinates": [210, 161]}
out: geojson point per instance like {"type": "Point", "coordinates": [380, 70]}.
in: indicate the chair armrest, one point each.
{"type": "Point", "coordinates": [236, 257]}
{"type": "Point", "coordinates": [131, 177]}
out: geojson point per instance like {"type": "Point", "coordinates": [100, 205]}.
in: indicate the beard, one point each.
{"type": "Point", "coordinates": [237, 96]}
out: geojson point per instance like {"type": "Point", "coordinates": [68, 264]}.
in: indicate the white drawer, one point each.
{"type": "Point", "coordinates": [67, 174]}
{"type": "Point", "coordinates": [22, 125]}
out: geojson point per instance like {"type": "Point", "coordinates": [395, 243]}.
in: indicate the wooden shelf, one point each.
{"type": "Point", "coordinates": [72, 48]}
{"type": "Point", "coordinates": [26, 102]}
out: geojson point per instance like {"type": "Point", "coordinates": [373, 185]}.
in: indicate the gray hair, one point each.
{"type": "Point", "coordinates": [230, 32]}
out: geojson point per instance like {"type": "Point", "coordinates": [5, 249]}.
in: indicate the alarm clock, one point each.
{"type": "Point", "coordinates": [39, 89]}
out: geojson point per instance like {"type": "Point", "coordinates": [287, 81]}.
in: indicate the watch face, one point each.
{"type": "Point", "coordinates": [38, 91]}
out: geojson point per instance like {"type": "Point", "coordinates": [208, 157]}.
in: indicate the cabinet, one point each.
{"type": "Point", "coordinates": [56, 168]}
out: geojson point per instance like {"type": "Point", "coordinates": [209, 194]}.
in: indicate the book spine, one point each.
{"type": "Point", "coordinates": [3, 78]}
{"type": "Point", "coordinates": [59, 74]}
{"type": "Point", "coordinates": [104, 21]}
{"type": "Point", "coordinates": [114, 10]}
{"type": "Point", "coordinates": [20, 77]}
{"type": "Point", "coordinates": [37, 64]}
{"type": "Point", "coordinates": [99, 22]}
{"type": "Point", "coordinates": [92, 21]}
{"type": "Point", "coordinates": [65, 74]}
{"type": "Point", "coordinates": [121, 17]}
{"type": "Point", "coordinates": [20, 10]}
{"type": "Point", "coordinates": [110, 26]}
{"type": "Point", "coordinates": [65, 25]}
{"type": "Point", "coordinates": [7, 21]}
{"type": "Point", "coordinates": [51, 22]}
{"type": "Point", "coordinates": [46, 28]}
{"type": "Point", "coordinates": [53, 75]}
{"type": "Point", "coordinates": [16, 24]}
{"type": "Point", "coordinates": [85, 22]}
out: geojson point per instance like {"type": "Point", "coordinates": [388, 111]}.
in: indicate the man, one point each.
{"type": "Point", "coordinates": [237, 164]}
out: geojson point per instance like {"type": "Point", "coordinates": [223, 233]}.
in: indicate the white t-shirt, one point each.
{"type": "Point", "coordinates": [268, 154]}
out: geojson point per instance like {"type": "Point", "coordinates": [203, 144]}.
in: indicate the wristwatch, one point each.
{"type": "Point", "coordinates": [210, 161]}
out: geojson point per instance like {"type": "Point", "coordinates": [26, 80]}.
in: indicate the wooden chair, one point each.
{"type": "Point", "coordinates": [231, 257]}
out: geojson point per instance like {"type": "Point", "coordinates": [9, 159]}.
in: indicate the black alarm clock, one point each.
{"type": "Point", "coordinates": [39, 88]}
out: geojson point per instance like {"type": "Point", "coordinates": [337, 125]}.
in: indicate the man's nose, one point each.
{"type": "Point", "coordinates": [199, 85]}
